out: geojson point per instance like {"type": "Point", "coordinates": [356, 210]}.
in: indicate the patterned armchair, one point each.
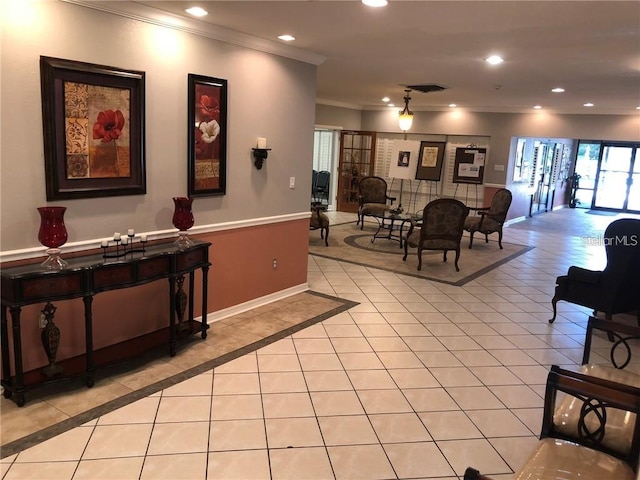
{"type": "Point", "coordinates": [490, 219]}
{"type": "Point", "coordinates": [441, 229]}
{"type": "Point", "coordinates": [616, 289]}
{"type": "Point", "coordinates": [372, 198]}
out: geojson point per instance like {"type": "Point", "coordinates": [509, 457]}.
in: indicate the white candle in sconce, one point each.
{"type": "Point", "coordinates": [104, 243]}
{"type": "Point", "coordinates": [130, 232]}
{"type": "Point", "coordinates": [116, 236]}
{"type": "Point", "coordinates": [143, 238]}
{"type": "Point", "coordinates": [262, 142]}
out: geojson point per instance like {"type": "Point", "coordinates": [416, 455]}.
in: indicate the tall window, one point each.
{"type": "Point", "coordinates": [323, 147]}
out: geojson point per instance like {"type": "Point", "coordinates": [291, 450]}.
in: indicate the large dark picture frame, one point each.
{"type": "Point", "coordinates": [207, 136]}
{"type": "Point", "coordinates": [430, 161]}
{"type": "Point", "coordinates": [93, 126]}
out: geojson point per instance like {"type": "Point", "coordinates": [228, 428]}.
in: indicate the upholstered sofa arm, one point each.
{"type": "Point", "coordinates": [583, 275]}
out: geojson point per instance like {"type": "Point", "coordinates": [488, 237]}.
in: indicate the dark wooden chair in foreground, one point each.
{"type": "Point", "coordinates": [372, 198]}
{"type": "Point", "coordinates": [489, 219]}
{"type": "Point", "coordinates": [441, 229]}
{"type": "Point", "coordinates": [616, 289]}
{"type": "Point", "coordinates": [583, 453]}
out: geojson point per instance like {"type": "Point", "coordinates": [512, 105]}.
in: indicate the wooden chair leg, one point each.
{"type": "Point", "coordinates": [419, 258]}
{"type": "Point", "coordinates": [554, 300]}
{"type": "Point", "coordinates": [457, 258]}
{"type": "Point", "coordinates": [406, 252]}
{"type": "Point", "coordinates": [500, 238]}
{"type": "Point", "coordinates": [326, 236]}
{"type": "Point", "coordinates": [471, 238]}
{"type": "Point", "coordinates": [444, 257]}
{"type": "Point", "coordinates": [486, 238]}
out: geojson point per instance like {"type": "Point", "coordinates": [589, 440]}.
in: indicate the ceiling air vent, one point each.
{"type": "Point", "coordinates": [427, 88]}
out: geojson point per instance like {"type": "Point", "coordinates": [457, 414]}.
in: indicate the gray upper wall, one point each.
{"type": "Point", "coordinates": [269, 96]}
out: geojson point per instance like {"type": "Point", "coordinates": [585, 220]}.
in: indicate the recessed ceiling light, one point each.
{"type": "Point", "coordinates": [494, 59]}
{"type": "Point", "coordinates": [385, 99]}
{"type": "Point", "coordinates": [588, 104]}
{"type": "Point", "coordinates": [375, 3]}
{"type": "Point", "coordinates": [197, 11]}
{"type": "Point", "coordinates": [537, 107]}
{"type": "Point", "coordinates": [287, 37]}
{"type": "Point", "coordinates": [453, 105]}
{"type": "Point", "coordinates": [557, 90]}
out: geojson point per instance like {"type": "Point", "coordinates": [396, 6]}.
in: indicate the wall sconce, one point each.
{"type": "Point", "coordinates": [260, 153]}
{"type": "Point", "coordinates": [405, 116]}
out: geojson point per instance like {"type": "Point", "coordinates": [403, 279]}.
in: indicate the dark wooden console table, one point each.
{"type": "Point", "coordinates": [86, 276]}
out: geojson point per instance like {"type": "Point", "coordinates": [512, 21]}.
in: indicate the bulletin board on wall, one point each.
{"type": "Point", "coordinates": [469, 165]}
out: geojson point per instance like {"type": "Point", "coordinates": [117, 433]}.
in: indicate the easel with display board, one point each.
{"type": "Point", "coordinates": [429, 167]}
{"type": "Point", "coordinates": [468, 169]}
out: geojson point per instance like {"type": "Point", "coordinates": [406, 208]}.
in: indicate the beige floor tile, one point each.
{"type": "Point", "coordinates": [236, 407]}
{"type": "Point", "coordinates": [17, 422]}
{"type": "Point", "coordinates": [418, 459]}
{"type": "Point", "coordinates": [320, 362]}
{"type": "Point", "coordinates": [327, 380]}
{"type": "Point", "coordinates": [67, 446]}
{"type": "Point", "coordinates": [237, 435]}
{"type": "Point", "coordinates": [300, 464]}
{"type": "Point", "coordinates": [278, 363]}
{"type": "Point", "coordinates": [515, 451]}
{"type": "Point", "coordinates": [235, 383]}
{"type": "Point", "coordinates": [184, 409]}
{"type": "Point", "coordinates": [393, 360]}
{"type": "Point", "coordinates": [371, 379]}
{"type": "Point", "coordinates": [347, 430]}
{"type": "Point", "coordinates": [498, 423]}
{"type": "Point", "coordinates": [430, 399]}
{"type": "Point", "coordinates": [245, 364]}
{"type": "Point", "coordinates": [474, 398]}
{"type": "Point", "coordinates": [360, 462]}
{"type": "Point", "coordinates": [293, 432]}
{"type": "Point", "coordinates": [413, 378]}
{"type": "Point", "coordinates": [449, 425]}
{"type": "Point", "coordinates": [517, 396]}
{"type": "Point", "coordinates": [103, 391]}
{"type": "Point", "coordinates": [282, 382]}
{"type": "Point", "coordinates": [284, 405]}
{"type": "Point", "coordinates": [41, 470]}
{"type": "Point", "coordinates": [360, 361]}
{"type": "Point", "coordinates": [238, 465]}
{"type": "Point", "coordinates": [170, 438]}
{"type": "Point", "coordinates": [455, 377]}
{"type": "Point", "coordinates": [399, 428]}
{"type": "Point", "coordinates": [111, 468]}
{"type": "Point", "coordinates": [313, 345]}
{"type": "Point", "coordinates": [383, 401]}
{"type": "Point", "coordinates": [111, 441]}
{"type": "Point", "coordinates": [281, 347]}
{"type": "Point", "coordinates": [351, 345]}
{"type": "Point", "coordinates": [342, 331]}
{"type": "Point", "coordinates": [140, 411]}
{"type": "Point", "coordinates": [478, 453]}
{"type": "Point", "coordinates": [336, 403]}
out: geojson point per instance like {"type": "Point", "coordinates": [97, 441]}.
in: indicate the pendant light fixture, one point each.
{"type": "Point", "coordinates": [405, 116]}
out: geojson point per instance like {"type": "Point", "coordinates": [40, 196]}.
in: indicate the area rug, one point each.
{"type": "Point", "coordinates": [347, 243]}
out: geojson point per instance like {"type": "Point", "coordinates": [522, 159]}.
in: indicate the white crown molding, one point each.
{"type": "Point", "coordinates": [334, 103]}
{"type": "Point", "coordinates": [154, 16]}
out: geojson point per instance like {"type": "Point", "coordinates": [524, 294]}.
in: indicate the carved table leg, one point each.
{"type": "Point", "coordinates": [204, 325]}
{"type": "Point", "coordinates": [88, 333]}
{"type": "Point", "coordinates": [172, 316]}
{"type": "Point", "coordinates": [6, 362]}
{"type": "Point", "coordinates": [181, 304]}
{"type": "Point", "coordinates": [17, 356]}
{"type": "Point", "coordinates": [50, 336]}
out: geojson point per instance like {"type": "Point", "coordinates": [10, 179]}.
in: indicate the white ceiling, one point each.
{"type": "Point", "coordinates": [591, 48]}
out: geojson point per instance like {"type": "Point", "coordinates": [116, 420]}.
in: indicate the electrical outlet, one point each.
{"type": "Point", "coordinates": [42, 321]}
{"type": "Point", "coordinates": [292, 182]}
{"type": "Point", "coordinates": [275, 263]}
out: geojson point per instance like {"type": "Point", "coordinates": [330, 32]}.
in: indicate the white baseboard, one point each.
{"type": "Point", "coordinates": [255, 303]}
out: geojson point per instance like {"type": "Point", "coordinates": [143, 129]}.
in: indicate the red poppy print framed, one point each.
{"type": "Point", "coordinates": [93, 125]}
{"type": "Point", "coordinates": [207, 135]}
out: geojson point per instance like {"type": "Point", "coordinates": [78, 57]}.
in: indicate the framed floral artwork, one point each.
{"type": "Point", "coordinates": [93, 125]}
{"type": "Point", "coordinates": [207, 135]}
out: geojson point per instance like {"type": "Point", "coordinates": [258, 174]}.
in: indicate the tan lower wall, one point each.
{"type": "Point", "coordinates": [241, 271]}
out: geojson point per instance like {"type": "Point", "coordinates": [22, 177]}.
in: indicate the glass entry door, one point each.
{"type": "Point", "coordinates": [617, 173]}
{"type": "Point", "coordinates": [357, 160]}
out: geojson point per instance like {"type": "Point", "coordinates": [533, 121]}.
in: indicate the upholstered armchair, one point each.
{"type": "Point", "coordinates": [616, 289]}
{"type": "Point", "coordinates": [490, 219]}
{"type": "Point", "coordinates": [440, 229]}
{"type": "Point", "coordinates": [372, 198]}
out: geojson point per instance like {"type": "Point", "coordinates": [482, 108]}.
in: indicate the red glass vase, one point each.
{"type": "Point", "coordinates": [183, 220]}
{"type": "Point", "coordinates": [53, 234]}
